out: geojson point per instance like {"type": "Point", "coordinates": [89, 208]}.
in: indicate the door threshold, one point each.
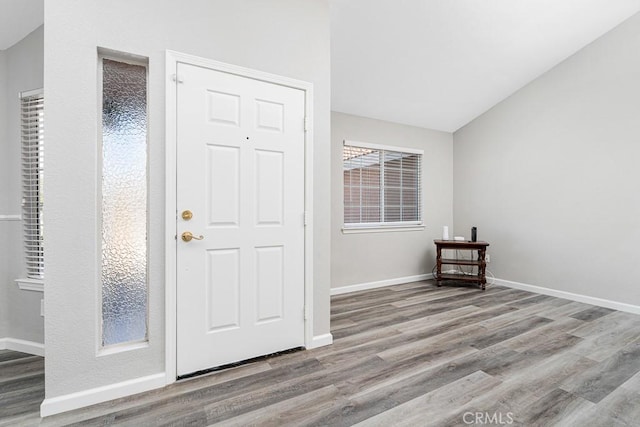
{"type": "Point", "coordinates": [240, 363]}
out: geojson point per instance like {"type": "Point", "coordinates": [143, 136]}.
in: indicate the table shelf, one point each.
{"type": "Point", "coordinates": [460, 277]}
{"type": "Point", "coordinates": [454, 261]}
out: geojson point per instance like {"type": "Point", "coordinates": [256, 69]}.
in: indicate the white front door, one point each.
{"type": "Point", "coordinates": [240, 172]}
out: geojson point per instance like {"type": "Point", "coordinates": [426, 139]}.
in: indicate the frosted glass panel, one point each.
{"type": "Point", "coordinates": [124, 203]}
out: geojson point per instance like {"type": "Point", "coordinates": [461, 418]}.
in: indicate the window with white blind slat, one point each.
{"type": "Point", "coordinates": [32, 141]}
{"type": "Point", "coordinates": [382, 186]}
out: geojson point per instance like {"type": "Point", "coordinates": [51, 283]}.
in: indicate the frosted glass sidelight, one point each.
{"type": "Point", "coordinates": [124, 202]}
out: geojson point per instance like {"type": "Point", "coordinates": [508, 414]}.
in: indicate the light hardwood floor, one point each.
{"type": "Point", "coordinates": [411, 354]}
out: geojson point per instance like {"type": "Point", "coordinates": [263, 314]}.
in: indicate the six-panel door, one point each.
{"type": "Point", "coordinates": [240, 171]}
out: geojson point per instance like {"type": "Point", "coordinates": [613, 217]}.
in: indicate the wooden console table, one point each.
{"type": "Point", "coordinates": [458, 245]}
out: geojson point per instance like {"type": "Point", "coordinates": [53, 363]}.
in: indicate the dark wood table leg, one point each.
{"type": "Point", "coordinates": [482, 268]}
{"type": "Point", "coordinates": [438, 266]}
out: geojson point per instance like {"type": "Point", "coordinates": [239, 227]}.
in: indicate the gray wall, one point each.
{"type": "Point", "coordinates": [372, 257]}
{"type": "Point", "coordinates": [24, 71]}
{"type": "Point", "coordinates": [4, 143]}
{"type": "Point", "coordinates": [286, 37]}
{"type": "Point", "coordinates": [550, 176]}
{"type": "Point", "coordinates": [4, 191]}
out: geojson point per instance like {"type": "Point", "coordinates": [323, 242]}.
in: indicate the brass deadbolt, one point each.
{"type": "Point", "coordinates": [187, 215]}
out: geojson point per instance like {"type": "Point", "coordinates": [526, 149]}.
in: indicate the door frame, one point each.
{"type": "Point", "coordinates": [172, 60]}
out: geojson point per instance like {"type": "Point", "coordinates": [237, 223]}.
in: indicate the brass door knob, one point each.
{"type": "Point", "coordinates": [187, 236]}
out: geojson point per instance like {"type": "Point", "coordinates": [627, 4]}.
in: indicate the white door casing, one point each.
{"type": "Point", "coordinates": [240, 168]}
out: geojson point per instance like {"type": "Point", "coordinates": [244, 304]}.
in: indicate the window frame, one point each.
{"type": "Point", "coordinates": [32, 169]}
{"type": "Point", "coordinates": [385, 226]}
{"type": "Point", "coordinates": [106, 349]}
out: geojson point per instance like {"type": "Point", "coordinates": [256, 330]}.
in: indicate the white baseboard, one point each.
{"type": "Point", "coordinates": [320, 341]}
{"type": "Point", "coordinates": [600, 302]}
{"type": "Point", "coordinates": [22, 346]}
{"type": "Point", "coordinates": [380, 284]}
{"type": "Point", "coordinates": [615, 305]}
{"type": "Point", "coordinates": [81, 399]}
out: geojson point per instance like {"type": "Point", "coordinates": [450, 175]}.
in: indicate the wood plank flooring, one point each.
{"type": "Point", "coordinates": [405, 355]}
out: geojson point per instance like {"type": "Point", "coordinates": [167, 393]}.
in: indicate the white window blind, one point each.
{"type": "Point", "coordinates": [32, 135]}
{"type": "Point", "coordinates": [382, 185]}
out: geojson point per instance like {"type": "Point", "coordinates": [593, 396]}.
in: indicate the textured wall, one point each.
{"type": "Point", "coordinates": [550, 175]}
{"type": "Point", "coordinates": [285, 37]}
{"type": "Point", "coordinates": [4, 192]}
{"type": "Point", "coordinates": [24, 71]}
{"type": "Point", "coordinates": [371, 257]}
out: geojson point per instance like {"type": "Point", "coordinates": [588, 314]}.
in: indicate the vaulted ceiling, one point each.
{"type": "Point", "coordinates": [440, 63]}
{"type": "Point", "coordinates": [17, 19]}
{"type": "Point", "coordinates": [430, 63]}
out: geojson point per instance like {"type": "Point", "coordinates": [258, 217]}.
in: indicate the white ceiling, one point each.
{"type": "Point", "coordinates": [431, 63]}
{"type": "Point", "coordinates": [440, 63]}
{"type": "Point", "coordinates": [17, 19]}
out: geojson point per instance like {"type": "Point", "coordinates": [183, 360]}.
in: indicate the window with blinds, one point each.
{"type": "Point", "coordinates": [32, 135]}
{"type": "Point", "coordinates": [382, 185]}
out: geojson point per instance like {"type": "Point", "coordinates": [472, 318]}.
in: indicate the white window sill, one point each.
{"type": "Point", "coordinates": [121, 348]}
{"type": "Point", "coordinates": [31, 285]}
{"type": "Point", "coordinates": [381, 229]}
